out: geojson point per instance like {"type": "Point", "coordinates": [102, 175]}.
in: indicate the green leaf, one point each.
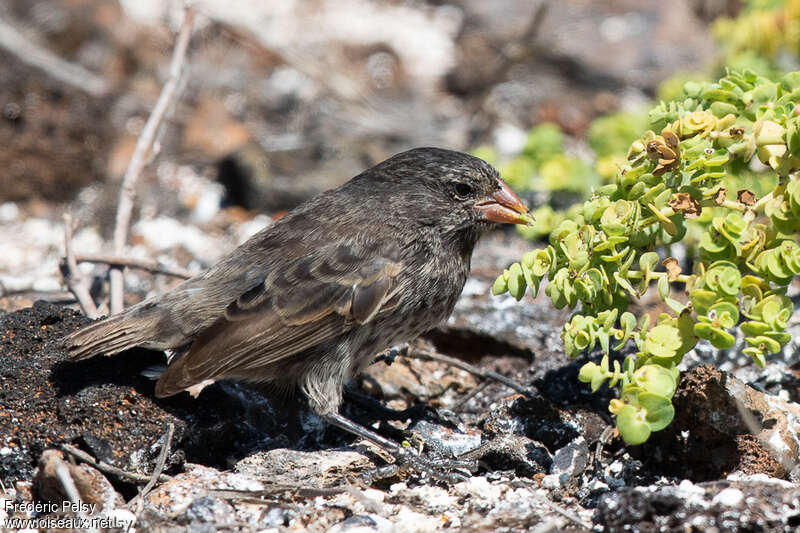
{"type": "Point", "coordinates": [662, 341]}
{"type": "Point", "coordinates": [663, 288]}
{"type": "Point", "coordinates": [702, 300]}
{"type": "Point", "coordinates": [632, 425]}
{"type": "Point", "coordinates": [516, 281]}
{"type": "Point", "coordinates": [719, 338]}
{"type": "Point", "coordinates": [656, 379]}
{"type": "Point", "coordinates": [754, 328]}
{"type": "Point", "coordinates": [724, 314]}
{"type": "Point", "coordinates": [588, 372]}
{"type": "Point", "coordinates": [757, 356]}
{"type": "Point", "coordinates": [500, 285]}
{"type": "Point", "coordinates": [660, 411]}
{"type": "Point", "coordinates": [764, 344]}
{"type": "Point", "coordinates": [541, 263]}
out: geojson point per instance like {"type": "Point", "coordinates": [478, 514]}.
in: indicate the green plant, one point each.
{"type": "Point", "coordinates": [764, 35]}
{"type": "Point", "coordinates": [543, 164]}
{"type": "Point", "coordinates": [605, 256]}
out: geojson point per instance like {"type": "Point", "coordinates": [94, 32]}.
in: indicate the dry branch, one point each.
{"type": "Point", "coordinates": [31, 53]}
{"type": "Point", "coordinates": [157, 471]}
{"type": "Point", "coordinates": [162, 459]}
{"type": "Point", "coordinates": [75, 283]}
{"type": "Point", "coordinates": [426, 355]}
{"type": "Point", "coordinates": [140, 154]}
{"type": "Point", "coordinates": [140, 264]}
{"type": "Point", "coordinates": [107, 468]}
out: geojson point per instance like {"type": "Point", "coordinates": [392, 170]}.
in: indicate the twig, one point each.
{"type": "Point", "coordinates": [259, 496]}
{"type": "Point", "coordinates": [139, 157]}
{"type": "Point", "coordinates": [107, 468]}
{"type": "Point", "coordinates": [31, 53]}
{"type": "Point", "coordinates": [162, 459]}
{"type": "Point", "coordinates": [62, 473]}
{"type": "Point", "coordinates": [72, 277]}
{"type": "Point", "coordinates": [474, 392]}
{"type": "Point", "coordinates": [426, 355]}
{"type": "Point", "coordinates": [64, 476]}
{"type": "Point", "coordinates": [140, 264]}
{"type": "Point", "coordinates": [157, 471]}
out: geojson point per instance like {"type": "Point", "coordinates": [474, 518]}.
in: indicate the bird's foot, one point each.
{"type": "Point", "coordinates": [443, 470]}
{"type": "Point", "coordinates": [440, 469]}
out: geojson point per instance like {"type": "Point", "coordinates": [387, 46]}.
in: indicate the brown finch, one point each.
{"type": "Point", "coordinates": [308, 302]}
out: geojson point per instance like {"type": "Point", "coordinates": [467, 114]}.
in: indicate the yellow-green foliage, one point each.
{"type": "Point", "coordinates": [760, 34]}
{"type": "Point", "coordinates": [543, 165]}
{"type": "Point", "coordinates": [602, 257]}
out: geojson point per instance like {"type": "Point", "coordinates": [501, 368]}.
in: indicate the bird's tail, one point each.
{"type": "Point", "coordinates": [111, 335]}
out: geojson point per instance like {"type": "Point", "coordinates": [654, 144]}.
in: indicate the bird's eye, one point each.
{"type": "Point", "coordinates": [461, 190]}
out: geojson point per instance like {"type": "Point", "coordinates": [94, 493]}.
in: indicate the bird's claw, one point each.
{"type": "Point", "coordinates": [439, 469]}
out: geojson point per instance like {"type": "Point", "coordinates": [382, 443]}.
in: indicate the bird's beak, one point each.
{"type": "Point", "coordinates": [504, 206]}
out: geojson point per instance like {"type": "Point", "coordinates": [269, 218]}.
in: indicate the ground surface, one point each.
{"type": "Point", "coordinates": [271, 114]}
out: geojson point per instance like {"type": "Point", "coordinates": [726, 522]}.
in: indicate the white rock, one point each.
{"type": "Point", "coordinates": [551, 482]}
{"type": "Point", "coordinates": [729, 497]}
{"type": "Point", "coordinates": [479, 487]}
{"type": "Point", "coordinates": [9, 212]}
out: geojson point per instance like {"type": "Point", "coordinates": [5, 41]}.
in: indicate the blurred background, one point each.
{"type": "Point", "coordinates": [281, 100]}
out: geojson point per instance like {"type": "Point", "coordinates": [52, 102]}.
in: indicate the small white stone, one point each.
{"type": "Point", "coordinates": [479, 487]}
{"type": "Point", "coordinates": [551, 482]}
{"type": "Point", "coordinates": [596, 484]}
{"type": "Point", "coordinates": [615, 468]}
{"type": "Point", "coordinates": [9, 212]}
{"type": "Point", "coordinates": [729, 497]}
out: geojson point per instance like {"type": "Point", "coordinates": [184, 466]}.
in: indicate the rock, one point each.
{"type": "Point", "coordinates": [407, 381]}
{"type": "Point", "coordinates": [319, 468]}
{"type": "Point", "coordinates": [187, 496]}
{"type": "Point", "coordinates": [571, 460]}
{"type": "Point", "coordinates": [93, 488]}
{"type": "Point", "coordinates": [746, 505]}
{"type": "Point", "coordinates": [524, 456]}
{"type": "Point", "coordinates": [538, 419]}
{"type": "Point", "coordinates": [445, 440]}
{"type": "Point", "coordinates": [721, 425]}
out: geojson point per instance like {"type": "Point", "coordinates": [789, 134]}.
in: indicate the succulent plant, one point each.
{"type": "Point", "coordinates": [602, 255]}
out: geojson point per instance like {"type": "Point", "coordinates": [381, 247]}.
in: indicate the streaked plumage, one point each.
{"type": "Point", "coordinates": [309, 301]}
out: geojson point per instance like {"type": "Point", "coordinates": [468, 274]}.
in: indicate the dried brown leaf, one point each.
{"type": "Point", "coordinates": [673, 268]}
{"type": "Point", "coordinates": [682, 202]}
{"type": "Point", "coordinates": [721, 196]}
{"type": "Point", "coordinates": [746, 197]}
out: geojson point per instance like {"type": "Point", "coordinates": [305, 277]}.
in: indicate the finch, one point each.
{"type": "Point", "coordinates": [308, 302]}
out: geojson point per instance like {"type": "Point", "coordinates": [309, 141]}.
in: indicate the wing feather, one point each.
{"type": "Point", "coordinates": [312, 300]}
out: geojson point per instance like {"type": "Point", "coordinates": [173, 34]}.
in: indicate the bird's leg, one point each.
{"type": "Point", "coordinates": [403, 456]}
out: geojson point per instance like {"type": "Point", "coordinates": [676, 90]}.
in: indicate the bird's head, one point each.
{"type": "Point", "coordinates": [450, 190]}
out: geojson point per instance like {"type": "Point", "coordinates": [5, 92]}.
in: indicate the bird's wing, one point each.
{"type": "Point", "coordinates": [306, 301]}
